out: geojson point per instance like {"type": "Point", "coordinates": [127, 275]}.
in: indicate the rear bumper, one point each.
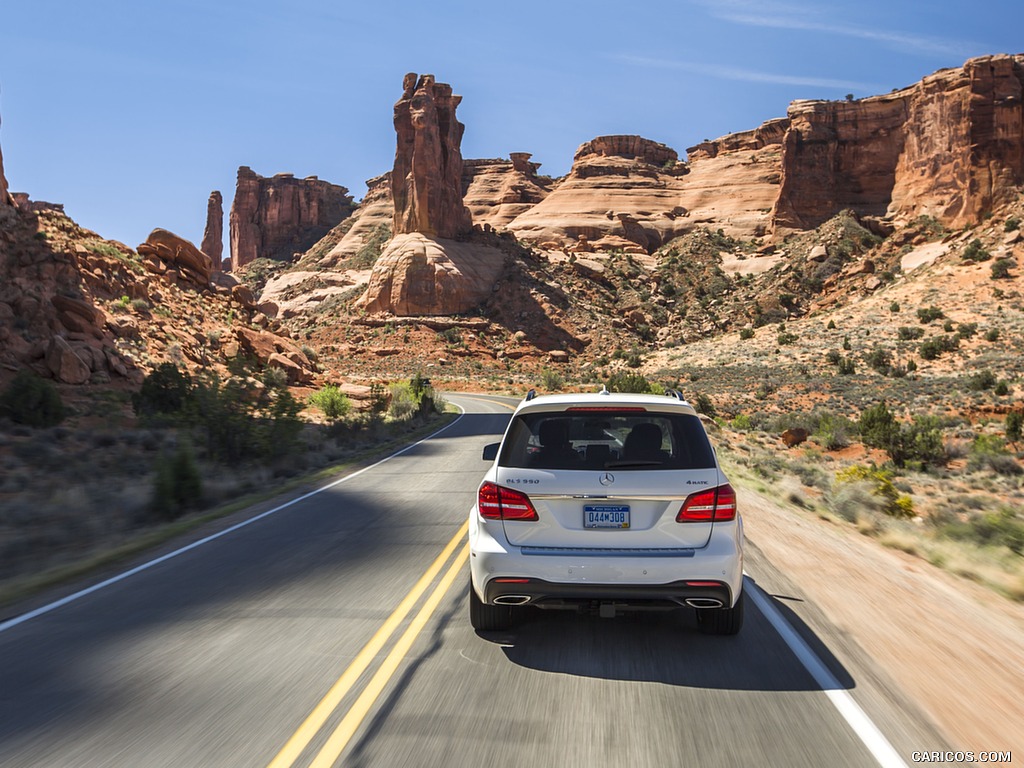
{"type": "Point", "coordinates": [546, 594]}
{"type": "Point", "coordinates": [569, 577]}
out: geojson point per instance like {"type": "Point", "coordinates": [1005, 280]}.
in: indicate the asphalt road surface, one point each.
{"type": "Point", "coordinates": [334, 631]}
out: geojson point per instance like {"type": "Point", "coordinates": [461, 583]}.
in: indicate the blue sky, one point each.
{"type": "Point", "coordinates": [130, 113]}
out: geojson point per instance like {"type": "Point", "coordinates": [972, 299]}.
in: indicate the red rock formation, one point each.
{"type": "Point", "coordinates": [422, 275]}
{"type": "Point", "coordinates": [280, 216]}
{"type": "Point", "coordinates": [375, 211]}
{"type": "Point", "coordinates": [964, 145]}
{"type": "Point", "coordinates": [165, 250]}
{"type": "Point", "coordinates": [427, 177]}
{"type": "Point", "coordinates": [632, 193]}
{"type": "Point", "coordinates": [497, 191]}
{"type": "Point", "coordinates": [213, 235]}
{"type": "Point", "coordinates": [6, 201]}
{"type": "Point", "coordinates": [950, 146]}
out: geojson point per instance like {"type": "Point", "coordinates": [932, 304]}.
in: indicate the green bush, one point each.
{"type": "Point", "coordinates": [403, 401]}
{"type": "Point", "coordinates": [552, 380]}
{"type": "Point", "coordinates": [1014, 424]}
{"type": "Point", "coordinates": [847, 367]}
{"type": "Point", "coordinates": [177, 485]}
{"type": "Point", "coordinates": [906, 333]}
{"type": "Point", "coordinates": [920, 441]}
{"type": "Point", "coordinates": [747, 333]}
{"type": "Point", "coordinates": [938, 345]}
{"type": "Point", "coordinates": [1001, 269]}
{"type": "Point", "coordinates": [623, 381]}
{"type": "Point", "coordinates": [929, 314]}
{"type": "Point", "coordinates": [164, 392]}
{"type": "Point", "coordinates": [996, 529]}
{"type": "Point", "coordinates": [32, 401]}
{"type": "Point", "coordinates": [992, 334]}
{"type": "Point", "coordinates": [332, 401]}
{"type": "Point", "coordinates": [982, 380]}
{"type": "Point", "coordinates": [989, 452]}
{"type": "Point", "coordinates": [975, 252]}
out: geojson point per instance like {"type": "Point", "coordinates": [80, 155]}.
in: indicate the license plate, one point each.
{"type": "Point", "coordinates": [605, 516]}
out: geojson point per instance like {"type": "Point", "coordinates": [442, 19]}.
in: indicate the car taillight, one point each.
{"type": "Point", "coordinates": [498, 503]}
{"type": "Point", "coordinates": [712, 505]}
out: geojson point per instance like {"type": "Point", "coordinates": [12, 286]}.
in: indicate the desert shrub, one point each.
{"type": "Point", "coordinates": [1002, 389]}
{"type": "Point", "coordinates": [833, 357]}
{"type": "Point", "coordinates": [625, 381]}
{"type": "Point", "coordinates": [975, 252]}
{"type": "Point", "coordinates": [552, 380]}
{"type": "Point", "coordinates": [32, 401]}
{"type": "Point", "coordinates": [892, 503]}
{"type": "Point", "coordinates": [1014, 424]}
{"type": "Point", "coordinates": [274, 378]}
{"type": "Point", "coordinates": [846, 367]}
{"type": "Point", "coordinates": [919, 441]}
{"type": "Point", "coordinates": [938, 345]}
{"type": "Point", "coordinates": [989, 452]}
{"type": "Point", "coordinates": [177, 485]}
{"type": "Point", "coordinates": [997, 529]}
{"type": "Point", "coordinates": [403, 402]}
{"type": "Point", "coordinates": [929, 314]}
{"type": "Point", "coordinates": [833, 432]}
{"type": "Point", "coordinates": [379, 397]}
{"type": "Point", "coordinates": [966, 330]}
{"type": "Point", "coordinates": [894, 307]}
{"type": "Point", "coordinates": [332, 401]}
{"type": "Point", "coordinates": [992, 334]}
{"type": "Point", "coordinates": [906, 333]}
{"type": "Point", "coordinates": [747, 333]}
{"type": "Point", "coordinates": [982, 380]}
{"type": "Point", "coordinates": [1012, 224]}
{"type": "Point", "coordinates": [704, 405]}
{"type": "Point", "coordinates": [164, 392]}
{"type": "Point", "coordinates": [785, 338]}
{"type": "Point", "coordinates": [742, 422]}
{"type": "Point", "coordinates": [880, 359]}
{"type": "Point", "coordinates": [1001, 269]}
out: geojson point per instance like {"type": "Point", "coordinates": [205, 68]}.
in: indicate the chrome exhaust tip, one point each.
{"type": "Point", "coordinates": [512, 600]}
{"type": "Point", "coordinates": [703, 602]}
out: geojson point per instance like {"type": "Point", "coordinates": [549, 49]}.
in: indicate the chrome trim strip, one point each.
{"type": "Point", "coordinates": [609, 552]}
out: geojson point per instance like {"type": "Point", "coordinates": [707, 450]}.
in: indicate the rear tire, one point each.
{"type": "Point", "coordinates": [488, 618]}
{"type": "Point", "coordinates": [722, 621]}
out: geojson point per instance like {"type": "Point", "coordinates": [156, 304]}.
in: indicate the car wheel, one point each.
{"type": "Point", "coordinates": [722, 621]}
{"type": "Point", "coordinates": [488, 618]}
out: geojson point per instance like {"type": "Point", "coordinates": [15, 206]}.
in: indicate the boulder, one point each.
{"type": "Point", "coordinates": [178, 254]}
{"type": "Point", "coordinates": [64, 363]}
{"type": "Point", "coordinates": [795, 436]}
{"type": "Point", "coordinates": [422, 275]}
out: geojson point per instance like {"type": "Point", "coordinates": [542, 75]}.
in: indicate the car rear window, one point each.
{"type": "Point", "coordinates": [624, 440]}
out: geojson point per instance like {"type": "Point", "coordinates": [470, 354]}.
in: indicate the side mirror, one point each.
{"type": "Point", "coordinates": [491, 451]}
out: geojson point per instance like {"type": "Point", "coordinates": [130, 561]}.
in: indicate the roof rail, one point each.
{"type": "Point", "coordinates": [676, 394]}
{"type": "Point", "coordinates": [604, 390]}
{"type": "Point", "coordinates": [530, 395]}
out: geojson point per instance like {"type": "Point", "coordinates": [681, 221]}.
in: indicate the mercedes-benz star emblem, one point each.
{"type": "Point", "coordinates": [607, 478]}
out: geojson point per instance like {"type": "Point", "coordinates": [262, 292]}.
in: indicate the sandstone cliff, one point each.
{"type": "Point", "coordinates": [213, 235]}
{"type": "Point", "coordinates": [423, 270]}
{"type": "Point", "coordinates": [6, 203]}
{"type": "Point", "coordinates": [498, 191]}
{"type": "Point", "coordinates": [612, 179]}
{"type": "Point", "coordinates": [375, 214]}
{"type": "Point", "coordinates": [427, 177]}
{"type": "Point", "coordinates": [279, 216]}
{"type": "Point", "coordinates": [950, 146]}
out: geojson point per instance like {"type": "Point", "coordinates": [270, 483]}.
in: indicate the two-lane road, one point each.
{"type": "Point", "coordinates": [334, 631]}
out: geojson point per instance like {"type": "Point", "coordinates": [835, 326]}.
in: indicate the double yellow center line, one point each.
{"type": "Point", "coordinates": [346, 729]}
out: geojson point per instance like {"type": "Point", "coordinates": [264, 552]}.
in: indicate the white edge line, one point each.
{"type": "Point", "coordinates": [10, 623]}
{"type": "Point", "coordinates": [851, 711]}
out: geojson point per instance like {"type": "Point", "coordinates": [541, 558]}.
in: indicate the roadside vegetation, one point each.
{"type": "Point", "coordinates": [171, 456]}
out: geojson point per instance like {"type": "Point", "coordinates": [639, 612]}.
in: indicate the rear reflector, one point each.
{"type": "Point", "coordinates": [703, 583]}
{"type": "Point", "coordinates": [511, 581]}
{"type": "Point", "coordinates": [713, 505]}
{"type": "Point", "coordinates": [496, 502]}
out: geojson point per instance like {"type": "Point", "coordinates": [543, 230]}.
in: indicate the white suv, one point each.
{"type": "Point", "coordinates": [605, 502]}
